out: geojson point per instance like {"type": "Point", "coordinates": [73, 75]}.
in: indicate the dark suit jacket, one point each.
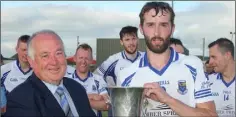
{"type": "Point", "coordinates": [33, 98]}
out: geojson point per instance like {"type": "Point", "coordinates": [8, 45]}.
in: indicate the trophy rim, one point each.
{"type": "Point", "coordinates": [117, 87]}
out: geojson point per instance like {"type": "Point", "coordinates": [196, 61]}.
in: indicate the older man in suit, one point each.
{"type": "Point", "coordinates": [46, 92]}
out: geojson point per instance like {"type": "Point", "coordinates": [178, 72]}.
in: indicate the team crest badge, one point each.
{"type": "Point", "coordinates": [182, 87]}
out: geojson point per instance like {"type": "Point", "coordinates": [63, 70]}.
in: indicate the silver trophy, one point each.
{"type": "Point", "coordinates": [126, 101]}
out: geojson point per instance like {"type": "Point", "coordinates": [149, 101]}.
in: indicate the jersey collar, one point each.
{"type": "Point", "coordinates": [125, 57]}
{"type": "Point", "coordinates": [19, 67]}
{"type": "Point", "coordinates": [174, 56]}
{"type": "Point", "coordinates": [220, 77]}
{"type": "Point", "coordinates": [75, 75]}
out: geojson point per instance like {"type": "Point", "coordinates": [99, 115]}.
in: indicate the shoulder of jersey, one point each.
{"type": "Point", "coordinates": [7, 67]}
{"type": "Point", "coordinates": [70, 68]}
{"type": "Point", "coordinates": [96, 75]}
{"type": "Point", "coordinates": [213, 76]}
{"type": "Point", "coordinates": [130, 69]}
{"type": "Point", "coordinates": [115, 57]}
{"type": "Point", "coordinates": [142, 53]}
{"type": "Point", "coordinates": [190, 60]}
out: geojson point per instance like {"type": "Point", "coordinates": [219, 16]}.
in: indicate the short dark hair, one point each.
{"type": "Point", "coordinates": [128, 30]}
{"type": "Point", "coordinates": [225, 45]}
{"type": "Point", "coordinates": [23, 38]}
{"type": "Point", "coordinates": [84, 46]}
{"type": "Point", "coordinates": [176, 41]}
{"type": "Point", "coordinates": [159, 7]}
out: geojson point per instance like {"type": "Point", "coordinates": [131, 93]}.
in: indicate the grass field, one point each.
{"type": "Point", "coordinates": [104, 114]}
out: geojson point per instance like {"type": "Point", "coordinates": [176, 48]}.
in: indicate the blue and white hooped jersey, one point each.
{"type": "Point", "coordinates": [12, 75]}
{"type": "Point", "coordinates": [93, 84]}
{"type": "Point", "coordinates": [182, 78]}
{"type": "Point", "coordinates": [223, 94]}
{"type": "Point", "coordinates": [110, 68]}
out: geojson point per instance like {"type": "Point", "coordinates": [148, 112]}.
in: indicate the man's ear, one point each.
{"type": "Point", "coordinates": [172, 29]}
{"type": "Point", "coordinates": [228, 55]}
{"type": "Point", "coordinates": [74, 58]}
{"type": "Point", "coordinates": [121, 42]}
{"type": "Point", "coordinates": [16, 48]}
{"type": "Point", "coordinates": [141, 28]}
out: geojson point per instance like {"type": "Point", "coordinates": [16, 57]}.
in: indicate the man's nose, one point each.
{"type": "Point", "coordinates": [53, 60]}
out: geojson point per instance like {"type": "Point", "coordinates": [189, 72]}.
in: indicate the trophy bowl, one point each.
{"type": "Point", "coordinates": [126, 101]}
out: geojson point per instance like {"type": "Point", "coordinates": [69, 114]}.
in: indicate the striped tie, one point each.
{"type": "Point", "coordinates": [63, 101]}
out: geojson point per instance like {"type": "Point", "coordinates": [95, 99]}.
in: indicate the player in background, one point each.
{"type": "Point", "coordinates": [16, 72]}
{"type": "Point", "coordinates": [221, 54]}
{"type": "Point", "coordinates": [116, 62]}
{"type": "Point", "coordinates": [177, 45]}
{"type": "Point", "coordinates": [209, 70]}
{"type": "Point", "coordinates": [175, 84]}
{"type": "Point", "coordinates": [94, 85]}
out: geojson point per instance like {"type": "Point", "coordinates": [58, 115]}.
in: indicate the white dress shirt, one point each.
{"type": "Point", "coordinates": [53, 89]}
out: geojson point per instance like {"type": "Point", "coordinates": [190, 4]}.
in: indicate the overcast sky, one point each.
{"type": "Point", "coordinates": [104, 19]}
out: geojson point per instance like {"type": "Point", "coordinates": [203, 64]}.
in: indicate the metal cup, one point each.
{"type": "Point", "coordinates": [126, 101]}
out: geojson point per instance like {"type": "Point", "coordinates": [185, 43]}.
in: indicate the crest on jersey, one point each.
{"type": "Point", "coordinates": [182, 87]}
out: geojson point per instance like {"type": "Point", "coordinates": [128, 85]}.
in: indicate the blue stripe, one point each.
{"type": "Point", "coordinates": [202, 91]}
{"type": "Point", "coordinates": [218, 76]}
{"type": "Point", "coordinates": [99, 113]}
{"type": "Point", "coordinates": [199, 94]}
{"type": "Point", "coordinates": [3, 79]}
{"type": "Point", "coordinates": [101, 69]}
{"type": "Point", "coordinates": [203, 96]}
{"type": "Point", "coordinates": [138, 54]}
{"type": "Point", "coordinates": [96, 83]}
{"type": "Point", "coordinates": [176, 56]}
{"type": "Point", "coordinates": [206, 75]}
{"type": "Point", "coordinates": [111, 72]}
{"type": "Point", "coordinates": [190, 67]}
{"type": "Point", "coordinates": [64, 100]}
{"type": "Point", "coordinates": [145, 60]}
{"type": "Point", "coordinates": [112, 66]}
{"type": "Point", "coordinates": [122, 55]}
{"type": "Point", "coordinates": [101, 90]}
{"type": "Point", "coordinates": [193, 71]}
{"type": "Point", "coordinates": [128, 80]}
{"type": "Point", "coordinates": [140, 63]}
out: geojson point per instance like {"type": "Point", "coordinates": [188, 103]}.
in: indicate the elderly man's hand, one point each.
{"type": "Point", "coordinates": [96, 97]}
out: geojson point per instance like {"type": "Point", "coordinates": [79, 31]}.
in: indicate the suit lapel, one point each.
{"type": "Point", "coordinates": [47, 102]}
{"type": "Point", "coordinates": [73, 95]}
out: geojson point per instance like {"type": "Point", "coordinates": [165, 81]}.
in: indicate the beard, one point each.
{"type": "Point", "coordinates": [130, 52]}
{"type": "Point", "coordinates": [158, 49]}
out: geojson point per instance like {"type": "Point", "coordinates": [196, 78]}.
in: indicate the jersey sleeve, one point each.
{"type": "Point", "coordinates": [101, 84]}
{"type": "Point", "coordinates": [5, 70]}
{"type": "Point", "coordinates": [103, 68]}
{"type": "Point", "coordinates": [202, 90]}
{"type": "Point", "coordinates": [125, 76]}
{"type": "Point", "coordinates": [107, 70]}
{"type": "Point", "coordinates": [122, 75]}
